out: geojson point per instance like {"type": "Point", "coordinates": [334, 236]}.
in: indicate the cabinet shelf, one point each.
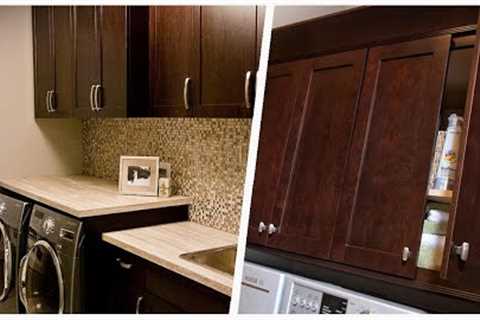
{"type": "Point", "coordinates": [442, 196]}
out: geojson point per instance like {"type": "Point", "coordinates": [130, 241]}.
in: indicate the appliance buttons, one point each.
{"type": "Point", "coordinates": [296, 300]}
{"type": "Point", "coordinates": [303, 303]}
{"type": "Point", "coordinates": [49, 226]}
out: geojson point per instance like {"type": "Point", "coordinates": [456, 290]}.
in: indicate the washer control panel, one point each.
{"type": "Point", "coordinates": [304, 296]}
{"type": "Point", "coordinates": [304, 300]}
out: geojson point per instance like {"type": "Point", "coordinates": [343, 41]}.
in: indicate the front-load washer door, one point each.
{"type": "Point", "coordinates": [6, 263]}
{"type": "Point", "coordinates": [41, 282]}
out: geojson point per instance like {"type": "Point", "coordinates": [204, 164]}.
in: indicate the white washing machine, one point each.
{"type": "Point", "coordinates": [269, 291]}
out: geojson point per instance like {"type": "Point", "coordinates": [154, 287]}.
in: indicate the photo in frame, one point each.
{"type": "Point", "coordinates": [139, 176]}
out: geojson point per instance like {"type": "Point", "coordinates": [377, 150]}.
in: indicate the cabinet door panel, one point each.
{"type": "Point", "coordinates": [306, 222]}
{"type": "Point", "coordinates": [44, 60]}
{"type": "Point", "coordinates": [464, 222]}
{"type": "Point", "coordinates": [174, 56]}
{"type": "Point", "coordinates": [382, 210]}
{"type": "Point", "coordinates": [228, 51]}
{"type": "Point", "coordinates": [279, 125]}
{"type": "Point", "coordinates": [64, 62]}
{"type": "Point", "coordinates": [87, 62]}
{"type": "Point", "coordinates": [114, 61]}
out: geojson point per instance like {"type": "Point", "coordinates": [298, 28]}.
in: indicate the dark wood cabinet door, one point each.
{"type": "Point", "coordinates": [44, 59]}
{"type": "Point", "coordinates": [382, 210]}
{"type": "Point", "coordinates": [464, 220]}
{"type": "Point", "coordinates": [284, 93]}
{"type": "Point", "coordinates": [113, 63]}
{"type": "Point", "coordinates": [88, 58]}
{"type": "Point", "coordinates": [228, 43]}
{"type": "Point", "coordinates": [306, 219]}
{"type": "Point", "coordinates": [63, 52]}
{"type": "Point", "coordinates": [174, 57]}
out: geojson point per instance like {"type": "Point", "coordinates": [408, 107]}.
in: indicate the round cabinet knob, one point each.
{"type": "Point", "coordinates": [3, 207]}
{"type": "Point", "coordinates": [272, 229]}
{"type": "Point", "coordinates": [262, 227]}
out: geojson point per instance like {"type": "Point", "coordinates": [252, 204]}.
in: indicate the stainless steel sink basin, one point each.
{"type": "Point", "coordinates": [219, 259]}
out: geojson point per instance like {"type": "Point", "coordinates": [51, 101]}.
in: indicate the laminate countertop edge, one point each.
{"type": "Point", "coordinates": [171, 259]}
{"type": "Point", "coordinates": [34, 189]}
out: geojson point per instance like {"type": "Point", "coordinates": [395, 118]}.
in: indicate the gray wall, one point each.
{"type": "Point", "coordinates": [29, 147]}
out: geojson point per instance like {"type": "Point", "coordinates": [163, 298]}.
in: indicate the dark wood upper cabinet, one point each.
{"type": "Point", "coordinates": [174, 60]}
{"type": "Point", "coordinates": [382, 210]}
{"type": "Point", "coordinates": [281, 114]}
{"type": "Point", "coordinates": [305, 221]}
{"type": "Point", "coordinates": [53, 61]}
{"type": "Point", "coordinates": [228, 61]}
{"type": "Point", "coordinates": [134, 61]}
{"type": "Point", "coordinates": [87, 59]}
{"type": "Point", "coordinates": [111, 61]}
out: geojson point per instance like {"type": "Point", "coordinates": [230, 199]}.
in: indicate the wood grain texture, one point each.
{"type": "Point", "coordinates": [87, 57]}
{"type": "Point", "coordinates": [280, 120]}
{"type": "Point", "coordinates": [174, 55]}
{"type": "Point", "coordinates": [383, 205]}
{"type": "Point", "coordinates": [63, 51]}
{"type": "Point", "coordinates": [464, 222]}
{"type": "Point", "coordinates": [113, 35]}
{"type": "Point", "coordinates": [83, 196]}
{"type": "Point", "coordinates": [164, 244]}
{"type": "Point", "coordinates": [306, 220]}
{"type": "Point", "coordinates": [228, 42]}
{"type": "Point", "coordinates": [44, 62]}
{"type": "Point", "coordinates": [366, 27]}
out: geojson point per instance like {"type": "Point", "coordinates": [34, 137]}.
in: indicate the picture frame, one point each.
{"type": "Point", "coordinates": [139, 175]}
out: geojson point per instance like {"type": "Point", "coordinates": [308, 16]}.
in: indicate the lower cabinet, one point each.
{"type": "Point", "coordinates": [139, 286]}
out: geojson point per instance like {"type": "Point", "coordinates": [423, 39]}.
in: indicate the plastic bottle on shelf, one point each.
{"type": "Point", "coordinates": [447, 167]}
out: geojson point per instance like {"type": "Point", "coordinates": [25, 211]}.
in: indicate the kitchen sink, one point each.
{"type": "Point", "coordinates": [219, 259]}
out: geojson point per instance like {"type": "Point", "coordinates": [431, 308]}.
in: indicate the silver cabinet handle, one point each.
{"type": "Point", "coordinates": [462, 251]}
{"type": "Point", "coordinates": [52, 101]}
{"type": "Point", "coordinates": [248, 80]}
{"type": "Point", "coordinates": [261, 227]}
{"type": "Point", "coordinates": [272, 229]}
{"type": "Point", "coordinates": [186, 88]}
{"type": "Point", "coordinates": [124, 265]}
{"type": "Point", "coordinates": [92, 105]}
{"type": "Point", "coordinates": [138, 304]}
{"type": "Point", "coordinates": [406, 254]}
{"type": "Point", "coordinates": [98, 106]}
{"type": "Point", "coordinates": [47, 101]}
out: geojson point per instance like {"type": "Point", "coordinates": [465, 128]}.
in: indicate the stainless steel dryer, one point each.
{"type": "Point", "coordinates": [12, 213]}
{"type": "Point", "coordinates": [50, 271]}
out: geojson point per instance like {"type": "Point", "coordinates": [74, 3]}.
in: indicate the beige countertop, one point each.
{"type": "Point", "coordinates": [83, 196]}
{"type": "Point", "coordinates": [164, 244]}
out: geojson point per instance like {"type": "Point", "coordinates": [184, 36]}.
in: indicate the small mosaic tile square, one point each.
{"type": "Point", "coordinates": [208, 158]}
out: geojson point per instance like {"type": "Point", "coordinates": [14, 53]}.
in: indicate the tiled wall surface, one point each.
{"type": "Point", "coordinates": [208, 158]}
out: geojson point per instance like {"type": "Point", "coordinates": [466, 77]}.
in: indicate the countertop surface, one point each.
{"type": "Point", "coordinates": [164, 244]}
{"type": "Point", "coordinates": [83, 196]}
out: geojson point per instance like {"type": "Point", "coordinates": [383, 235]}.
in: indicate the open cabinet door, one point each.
{"type": "Point", "coordinates": [464, 225]}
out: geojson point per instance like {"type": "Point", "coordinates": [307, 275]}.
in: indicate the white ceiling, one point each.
{"type": "Point", "coordinates": [291, 14]}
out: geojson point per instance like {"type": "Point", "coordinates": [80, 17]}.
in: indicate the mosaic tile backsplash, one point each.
{"type": "Point", "coordinates": [208, 158]}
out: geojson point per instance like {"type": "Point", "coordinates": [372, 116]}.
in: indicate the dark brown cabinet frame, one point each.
{"type": "Point", "coordinates": [427, 34]}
